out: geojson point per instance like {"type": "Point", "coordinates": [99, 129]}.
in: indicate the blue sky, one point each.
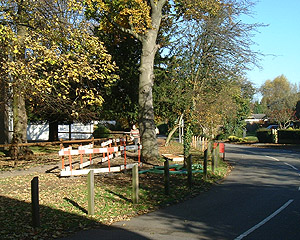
{"type": "Point", "coordinates": [280, 41]}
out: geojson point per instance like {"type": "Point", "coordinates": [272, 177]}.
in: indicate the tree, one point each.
{"type": "Point", "coordinates": [142, 19]}
{"type": "Point", "coordinates": [279, 98]}
{"type": "Point", "coordinates": [121, 101]}
{"type": "Point", "coordinates": [211, 56]}
{"type": "Point", "coordinates": [52, 60]}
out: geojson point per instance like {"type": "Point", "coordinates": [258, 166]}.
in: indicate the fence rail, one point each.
{"type": "Point", "coordinates": [64, 142]}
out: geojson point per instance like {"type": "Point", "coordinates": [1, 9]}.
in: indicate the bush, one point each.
{"type": "Point", "coordinates": [289, 136]}
{"type": "Point", "coordinates": [233, 139]}
{"type": "Point", "coordinates": [264, 135]}
{"type": "Point", "coordinates": [163, 128]}
{"type": "Point", "coordinates": [101, 132]}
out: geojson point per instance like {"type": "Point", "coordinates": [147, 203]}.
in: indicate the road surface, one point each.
{"type": "Point", "coordinates": [260, 200]}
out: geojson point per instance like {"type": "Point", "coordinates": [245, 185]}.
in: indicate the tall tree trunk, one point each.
{"type": "Point", "coordinates": [53, 131]}
{"type": "Point", "coordinates": [4, 112]}
{"type": "Point", "coordinates": [18, 101]}
{"type": "Point", "coordinates": [146, 81]}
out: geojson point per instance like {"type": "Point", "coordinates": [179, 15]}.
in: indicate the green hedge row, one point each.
{"type": "Point", "coordinates": [283, 136]}
{"type": "Point", "coordinates": [265, 136]}
{"type": "Point", "coordinates": [289, 136]}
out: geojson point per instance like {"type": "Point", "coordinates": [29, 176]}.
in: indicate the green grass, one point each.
{"type": "Point", "coordinates": [63, 201]}
{"type": "Point", "coordinates": [44, 149]}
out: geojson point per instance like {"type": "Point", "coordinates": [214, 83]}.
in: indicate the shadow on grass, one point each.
{"type": "Point", "coordinates": [120, 196]}
{"type": "Point", "coordinates": [75, 204]}
{"type": "Point", "coordinates": [16, 223]}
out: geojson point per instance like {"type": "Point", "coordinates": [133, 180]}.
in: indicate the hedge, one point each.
{"type": "Point", "coordinates": [264, 135]}
{"type": "Point", "coordinates": [289, 136]}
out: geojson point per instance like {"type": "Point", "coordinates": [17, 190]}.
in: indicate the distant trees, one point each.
{"type": "Point", "coordinates": [279, 99]}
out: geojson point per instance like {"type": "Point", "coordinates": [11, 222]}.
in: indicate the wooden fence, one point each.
{"type": "Point", "coordinates": [200, 143]}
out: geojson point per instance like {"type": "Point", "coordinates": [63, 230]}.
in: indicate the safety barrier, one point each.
{"type": "Point", "coordinates": [108, 151]}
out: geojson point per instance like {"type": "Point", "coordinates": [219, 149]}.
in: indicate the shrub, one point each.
{"type": "Point", "coordinates": [264, 135]}
{"type": "Point", "coordinates": [233, 139]}
{"type": "Point", "coordinates": [101, 132]}
{"type": "Point", "coordinates": [289, 136]}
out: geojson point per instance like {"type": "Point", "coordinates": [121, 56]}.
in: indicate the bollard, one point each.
{"type": "Point", "coordinates": [218, 155]}
{"type": "Point", "coordinates": [189, 171]}
{"type": "Point", "coordinates": [91, 193]}
{"type": "Point", "coordinates": [213, 160]}
{"type": "Point", "coordinates": [35, 202]}
{"type": "Point", "coordinates": [167, 177]}
{"type": "Point", "coordinates": [205, 164]}
{"type": "Point", "coordinates": [222, 149]}
{"type": "Point", "coordinates": [135, 184]}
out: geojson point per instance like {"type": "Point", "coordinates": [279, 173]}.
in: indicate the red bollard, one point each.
{"type": "Point", "coordinates": [222, 149]}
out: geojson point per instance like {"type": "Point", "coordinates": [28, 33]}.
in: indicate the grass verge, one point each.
{"type": "Point", "coordinates": [63, 201]}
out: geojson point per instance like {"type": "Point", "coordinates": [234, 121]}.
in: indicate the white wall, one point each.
{"type": "Point", "coordinates": [40, 132]}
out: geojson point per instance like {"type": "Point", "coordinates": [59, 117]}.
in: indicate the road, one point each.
{"type": "Point", "coordinates": [260, 199]}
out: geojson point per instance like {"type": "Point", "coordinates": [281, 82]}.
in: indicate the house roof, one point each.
{"type": "Point", "coordinates": [257, 116]}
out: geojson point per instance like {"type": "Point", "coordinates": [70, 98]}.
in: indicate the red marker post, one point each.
{"type": "Point", "coordinates": [222, 149]}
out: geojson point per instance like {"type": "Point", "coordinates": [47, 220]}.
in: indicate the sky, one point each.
{"type": "Point", "coordinates": [279, 41]}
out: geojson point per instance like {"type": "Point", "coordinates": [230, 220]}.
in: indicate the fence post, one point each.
{"type": "Point", "coordinates": [189, 171]}
{"type": "Point", "coordinates": [167, 177]}
{"type": "Point", "coordinates": [135, 184]}
{"type": "Point", "coordinates": [35, 202]}
{"type": "Point", "coordinates": [213, 159]}
{"type": "Point", "coordinates": [205, 164]}
{"type": "Point", "coordinates": [218, 155]}
{"type": "Point", "coordinates": [91, 193]}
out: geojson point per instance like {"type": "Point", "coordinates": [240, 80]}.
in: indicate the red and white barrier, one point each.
{"type": "Point", "coordinates": [106, 149]}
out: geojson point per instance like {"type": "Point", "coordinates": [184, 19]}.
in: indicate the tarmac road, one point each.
{"type": "Point", "coordinates": [260, 199]}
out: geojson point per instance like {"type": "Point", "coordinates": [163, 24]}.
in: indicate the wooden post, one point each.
{"type": "Point", "coordinates": [125, 163]}
{"type": "Point", "coordinates": [209, 147]}
{"type": "Point", "coordinates": [135, 184]}
{"type": "Point", "coordinates": [189, 171]}
{"type": "Point", "coordinates": [91, 193]}
{"type": "Point", "coordinates": [35, 202]}
{"type": "Point", "coordinates": [213, 158]}
{"type": "Point", "coordinates": [139, 154]}
{"type": "Point", "coordinates": [108, 160]}
{"type": "Point", "coordinates": [205, 164]}
{"type": "Point", "coordinates": [217, 155]}
{"type": "Point", "coordinates": [167, 177]}
{"type": "Point", "coordinates": [70, 131]}
{"type": "Point", "coordinates": [70, 158]}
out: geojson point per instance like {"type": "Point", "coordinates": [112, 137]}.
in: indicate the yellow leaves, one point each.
{"type": "Point", "coordinates": [132, 14]}
{"type": "Point", "coordinates": [138, 15]}
{"type": "Point", "coordinates": [200, 9]}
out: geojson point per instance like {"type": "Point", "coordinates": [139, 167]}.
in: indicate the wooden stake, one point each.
{"type": "Point", "coordinates": [35, 202]}
{"type": "Point", "coordinates": [205, 164]}
{"type": "Point", "coordinates": [167, 177]}
{"type": "Point", "coordinates": [135, 184]}
{"type": "Point", "coordinates": [91, 193]}
{"type": "Point", "coordinates": [189, 171]}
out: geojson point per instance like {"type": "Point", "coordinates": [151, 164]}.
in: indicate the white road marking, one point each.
{"type": "Point", "coordinates": [264, 221]}
{"type": "Point", "coordinates": [273, 158]}
{"type": "Point", "coordinates": [291, 166]}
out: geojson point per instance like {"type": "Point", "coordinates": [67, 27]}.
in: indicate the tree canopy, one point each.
{"type": "Point", "coordinates": [51, 59]}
